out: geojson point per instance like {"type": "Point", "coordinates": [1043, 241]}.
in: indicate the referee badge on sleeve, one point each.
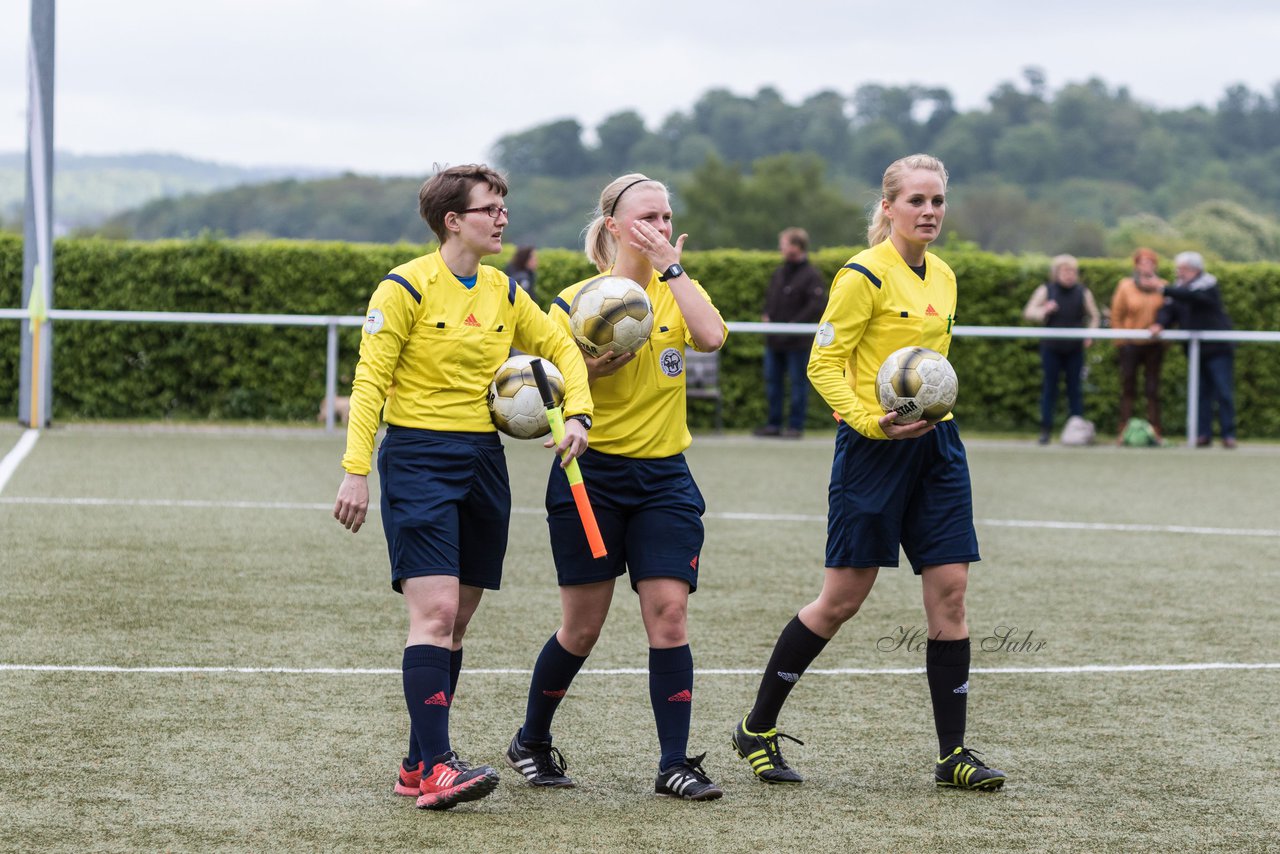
{"type": "Point", "coordinates": [826, 334]}
{"type": "Point", "coordinates": [373, 323]}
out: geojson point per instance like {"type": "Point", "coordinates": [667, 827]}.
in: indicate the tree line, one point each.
{"type": "Point", "coordinates": [1085, 169]}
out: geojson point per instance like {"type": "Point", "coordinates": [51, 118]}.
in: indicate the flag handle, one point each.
{"type": "Point", "coordinates": [579, 489]}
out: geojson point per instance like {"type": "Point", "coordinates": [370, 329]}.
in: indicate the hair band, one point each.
{"type": "Point", "coordinates": [613, 207]}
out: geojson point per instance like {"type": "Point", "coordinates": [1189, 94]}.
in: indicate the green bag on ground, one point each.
{"type": "Point", "coordinates": [1139, 433]}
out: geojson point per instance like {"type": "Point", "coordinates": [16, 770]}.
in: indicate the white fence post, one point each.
{"type": "Point", "coordinates": [331, 375]}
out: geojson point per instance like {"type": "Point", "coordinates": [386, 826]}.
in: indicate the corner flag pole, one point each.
{"type": "Point", "coordinates": [35, 394]}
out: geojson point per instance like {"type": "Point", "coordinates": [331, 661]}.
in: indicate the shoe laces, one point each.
{"type": "Point", "coordinates": [775, 735]}
{"type": "Point", "coordinates": [549, 760]}
{"type": "Point", "coordinates": [770, 740]}
{"type": "Point", "coordinates": [455, 762]}
{"type": "Point", "coordinates": [694, 768]}
{"type": "Point", "coordinates": [971, 757]}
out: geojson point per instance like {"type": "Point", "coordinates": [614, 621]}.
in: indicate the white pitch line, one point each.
{"type": "Point", "coordinates": [1115, 526]}
{"type": "Point", "coordinates": [639, 671]}
{"type": "Point", "coordinates": [16, 455]}
{"type": "Point", "coordinates": [1049, 524]}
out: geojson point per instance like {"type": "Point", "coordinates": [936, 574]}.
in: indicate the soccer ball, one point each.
{"type": "Point", "coordinates": [514, 401]}
{"type": "Point", "coordinates": [917, 383]}
{"type": "Point", "coordinates": [611, 313]}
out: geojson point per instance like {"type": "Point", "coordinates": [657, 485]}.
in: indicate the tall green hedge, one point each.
{"type": "Point", "coordinates": [123, 370]}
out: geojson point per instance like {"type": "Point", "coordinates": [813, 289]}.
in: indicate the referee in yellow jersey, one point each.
{"type": "Point", "coordinates": [436, 331]}
{"type": "Point", "coordinates": [647, 504]}
{"type": "Point", "coordinates": [891, 485]}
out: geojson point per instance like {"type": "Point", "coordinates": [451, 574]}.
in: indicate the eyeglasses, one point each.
{"type": "Point", "coordinates": [494, 211]}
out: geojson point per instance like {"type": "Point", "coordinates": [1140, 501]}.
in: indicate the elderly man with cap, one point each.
{"type": "Point", "coordinates": [1194, 301]}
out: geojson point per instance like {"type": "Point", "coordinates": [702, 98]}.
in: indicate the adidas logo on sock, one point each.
{"type": "Point", "coordinates": [556, 695]}
{"type": "Point", "coordinates": [963, 689]}
{"type": "Point", "coordinates": [685, 696]}
{"type": "Point", "coordinates": [789, 677]}
{"type": "Point", "coordinates": [436, 699]}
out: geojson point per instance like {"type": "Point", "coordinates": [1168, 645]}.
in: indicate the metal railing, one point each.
{"type": "Point", "coordinates": [329, 321]}
{"type": "Point", "coordinates": [332, 322]}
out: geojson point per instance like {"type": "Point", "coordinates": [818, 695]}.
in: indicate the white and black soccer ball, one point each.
{"type": "Point", "coordinates": [917, 383]}
{"type": "Point", "coordinates": [611, 313]}
{"type": "Point", "coordinates": [514, 401]}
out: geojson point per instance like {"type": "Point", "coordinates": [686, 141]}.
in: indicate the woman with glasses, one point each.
{"type": "Point", "coordinates": [437, 329]}
{"type": "Point", "coordinates": [647, 505]}
{"type": "Point", "coordinates": [892, 485]}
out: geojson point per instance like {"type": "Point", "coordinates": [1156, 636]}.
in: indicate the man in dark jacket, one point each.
{"type": "Point", "coordinates": [1194, 301]}
{"type": "Point", "coordinates": [797, 294]}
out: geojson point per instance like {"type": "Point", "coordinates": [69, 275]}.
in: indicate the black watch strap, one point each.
{"type": "Point", "coordinates": [672, 272]}
{"type": "Point", "coordinates": [581, 418]}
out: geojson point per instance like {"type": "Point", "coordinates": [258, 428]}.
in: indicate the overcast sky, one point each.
{"type": "Point", "coordinates": [392, 86]}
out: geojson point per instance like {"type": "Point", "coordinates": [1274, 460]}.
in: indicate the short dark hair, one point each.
{"type": "Point", "coordinates": [797, 237]}
{"type": "Point", "coordinates": [449, 191]}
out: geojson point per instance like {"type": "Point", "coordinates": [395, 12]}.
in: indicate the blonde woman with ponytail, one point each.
{"type": "Point", "coordinates": [645, 500]}
{"type": "Point", "coordinates": [891, 485]}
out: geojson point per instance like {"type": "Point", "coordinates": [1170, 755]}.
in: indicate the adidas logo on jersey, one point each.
{"type": "Point", "coordinates": [930, 311]}
{"type": "Point", "coordinates": [788, 677]}
{"type": "Point", "coordinates": [471, 321]}
{"type": "Point", "coordinates": [963, 689]}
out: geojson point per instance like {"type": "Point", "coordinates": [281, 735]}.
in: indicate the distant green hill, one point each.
{"type": "Point", "coordinates": [90, 188]}
{"type": "Point", "coordinates": [349, 207]}
{"type": "Point", "coordinates": [361, 208]}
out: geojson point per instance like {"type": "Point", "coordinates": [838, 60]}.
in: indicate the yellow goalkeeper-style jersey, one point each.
{"type": "Point", "coordinates": [878, 305]}
{"type": "Point", "coordinates": [431, 346]}
{"type": "Point", "coordinates": [640, 411]}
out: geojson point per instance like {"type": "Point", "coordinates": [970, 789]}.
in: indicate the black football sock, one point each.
{"type": "Point", "coordinates": [426, 687]}
{"type": "Point", "coordinates": [671, 694]}
{"type": "Point", "coordinates": [455, 670]}
{"type": "Point", "coordinates": [552, 675]}
{"type": "Point", "coordinates": [795, 650]}
{"type": "Point", "coordinates": [414, 756]}
{"type": "Point", "coordinates": [947, 669]}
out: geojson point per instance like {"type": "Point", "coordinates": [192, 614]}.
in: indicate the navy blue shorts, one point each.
{"type": "Point", "coordinates": [912, 492]}
{"type": "Point", "coordinates": [650, 517]}
{"type": "Point", "coordinates": [446, 505]}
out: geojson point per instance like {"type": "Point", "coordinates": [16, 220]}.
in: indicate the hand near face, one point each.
{"type": "Point", "coordinates": [651, 243]}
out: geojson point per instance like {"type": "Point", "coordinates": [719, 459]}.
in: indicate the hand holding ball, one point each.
{"type": "Point", "coordinates": [918, 384]}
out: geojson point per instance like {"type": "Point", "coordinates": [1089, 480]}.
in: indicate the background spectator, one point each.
{"type": "Point", "coordinates": [1195, 302]}
{"type": "Point", "coordinates": [523, 269]}
{"type": "Point", "coordinates": [797, 293]}
{"type": "Point", "coordinates": [1062, 303]}
{"type": "Point", "coordinates": [1134, 305]}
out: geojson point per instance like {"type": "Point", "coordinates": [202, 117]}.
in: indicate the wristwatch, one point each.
{"type": "Point", "coordinates": [673, 272]}
{"type": "Point", "coordinates": [581, 418]}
